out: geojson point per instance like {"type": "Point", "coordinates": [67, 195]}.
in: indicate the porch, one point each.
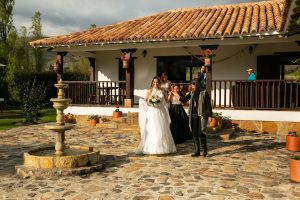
{"type": "Point", "coordinates": [225, 94]}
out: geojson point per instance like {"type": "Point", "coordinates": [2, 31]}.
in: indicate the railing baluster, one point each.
{"type": "Point", "coordinates": [230, 93]}
{"type": "Point", "coordinates": [291, 94]}
{"type": "Point", "coordinates": [284, 99]}
{"type": "Point", "coordinates": [220, 90]}
{"type": "Point", "coordinates": [215, 93]}
{"type": "Point", "coordinates": [278, 95]}
{"type": "Point", "coordinates": [297, 95]}
{"type": "Point", "coordinates": [267, 95]}
{"type": "Point", "coordinates": [225, 91]}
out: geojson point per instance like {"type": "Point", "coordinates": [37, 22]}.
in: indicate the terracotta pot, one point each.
{"type": "Point", "coordinates": [295, 170]}
{"type": "Point", "coordinates": [292, 143]}
{"type": "Point", "coordinates": [66, 119]}
{"type": "Point", "coordinates": [207, 61]}
{"type": "Point", "coordinates": [125, 63]}
{"type": "Point", "coordinates": [213, 122]}
{"type": "Point", "coordinates": [117, 114]}
{"type": "Point", "coordinates": [93, 122]}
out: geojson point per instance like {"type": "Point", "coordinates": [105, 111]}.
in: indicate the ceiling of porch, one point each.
{"type": "Point", "coordinates": [234, 20]}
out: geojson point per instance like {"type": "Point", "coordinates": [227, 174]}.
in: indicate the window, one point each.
{"type": "Point", "coordinates": [180, 69]}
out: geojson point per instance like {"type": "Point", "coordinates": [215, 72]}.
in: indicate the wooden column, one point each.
{"type": "Point", "coordinates": [128, 102]}
{"type": "Point", "coordinates": [92, 69]}
{"type": "Point", "coordinates": [209, 68]}
{"type": "Point", "coordinates": [59, 64]}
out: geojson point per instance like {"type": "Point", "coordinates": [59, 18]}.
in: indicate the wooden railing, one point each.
{"type": "Point", "coordinates": [241, 94]}
{"type": "Point", "coordinates": [96, 92]}
{"type": "Point", "coordinates": [260, 94]}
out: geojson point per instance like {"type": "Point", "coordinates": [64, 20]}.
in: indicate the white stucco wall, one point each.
{"type": "Point", "coordinates": [230, 62]}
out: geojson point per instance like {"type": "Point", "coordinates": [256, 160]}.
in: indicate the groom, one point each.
{"type": "Point", "coordinates": [199, 112]}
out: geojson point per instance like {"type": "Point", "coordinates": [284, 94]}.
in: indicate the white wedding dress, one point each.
{"type": "Point", "coordinates": [156, 137]}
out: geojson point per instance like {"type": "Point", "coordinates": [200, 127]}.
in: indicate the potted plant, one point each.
{"type": "Point", "coordinates": [125, 60]}
{"type": "Point", "coordinates": [117, 113]}
{"type": "Point", "coordinates": [293, 141]}
{"type": "Point", "coordinates": [295, 168]}
{"type": "Point", "coordinates": [216, 120]}
{"type": "Point", "coordinates": [94, 119]}
{"type": "Point", "coordinates": [70, 118]}
{"type": "Point", "coordinates": [206, 55]}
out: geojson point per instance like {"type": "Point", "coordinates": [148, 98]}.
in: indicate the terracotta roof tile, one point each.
{"type": "Point", "coordinates": [183, 24]}
{"type": "Point", "coordinates": [229, 29]}
{"type": "Point", "coordinates": [238, 25]}
{"type": "Point", "coordinates": [254, 20]}
{"type": "Point", "coordinates": [262, 19]}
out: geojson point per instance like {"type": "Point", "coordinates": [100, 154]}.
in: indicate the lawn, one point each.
{"type": "Point", "coordinates": [14, 118]}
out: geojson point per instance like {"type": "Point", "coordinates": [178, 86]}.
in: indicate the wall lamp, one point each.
{"type": "Point", "coordinates": [144, 53]}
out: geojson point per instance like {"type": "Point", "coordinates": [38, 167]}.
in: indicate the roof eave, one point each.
{"type": "Point", "coordinates": [102, 43]}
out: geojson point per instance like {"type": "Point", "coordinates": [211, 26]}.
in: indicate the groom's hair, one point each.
{"type": "Point", "coordinates": [196, 82]}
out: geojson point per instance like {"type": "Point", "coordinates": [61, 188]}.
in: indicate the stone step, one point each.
{"type": "Point", "coordinates": [222, 134]}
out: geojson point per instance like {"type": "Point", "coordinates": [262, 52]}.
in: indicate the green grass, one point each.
{"type": "Point", "coordinates": [14, 118]}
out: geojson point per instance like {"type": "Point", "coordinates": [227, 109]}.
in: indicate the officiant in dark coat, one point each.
{"type": "Point", "coordinates": [200, 111]}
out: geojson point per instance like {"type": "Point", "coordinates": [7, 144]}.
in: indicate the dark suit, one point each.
{"type": "Point", "coordinates": [200, 110]}
{"type": "Point", "coordinates": [202, 79]}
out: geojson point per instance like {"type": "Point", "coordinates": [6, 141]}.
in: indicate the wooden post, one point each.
{"type": "Point", "coordinates": [128, 102]}
{"type": "Point", "coordinates": [59, 64]}
{"type": "Point", "coordinates": [209, 68]}
{"type": "Point", "coordinates": [92, 69]}
{"type": "Point", "coordinates": [128, 88]}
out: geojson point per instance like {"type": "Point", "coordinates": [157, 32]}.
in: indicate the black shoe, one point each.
{"type": "Point", "coordinates": [195, 154]}
{"type": "Point", "coordinates": [203, 142]}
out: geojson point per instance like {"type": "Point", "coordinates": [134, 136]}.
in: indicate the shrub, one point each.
{"type": "Point", "coordinates": [33, 99]}
{"type": "Point", "coordinates": [92, 117]}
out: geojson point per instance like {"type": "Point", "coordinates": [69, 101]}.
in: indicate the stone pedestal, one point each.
{"type": "Point", "coordinates": [128, 103]}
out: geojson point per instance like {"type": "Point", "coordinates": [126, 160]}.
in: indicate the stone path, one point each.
{"type": "Point", "coordinates": [251, 166]}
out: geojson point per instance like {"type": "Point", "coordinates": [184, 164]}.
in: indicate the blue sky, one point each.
{"type": "Point", "coordinates": [64, 16]}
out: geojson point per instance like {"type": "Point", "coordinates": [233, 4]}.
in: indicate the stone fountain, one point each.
{"type": "Point", "coordinates": [60, 159]}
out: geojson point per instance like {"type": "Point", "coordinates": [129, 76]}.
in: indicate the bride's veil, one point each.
{"type": "Point", "coordinates": [143, 107]}
{"type": "Point", "coordinates": [142, 116]}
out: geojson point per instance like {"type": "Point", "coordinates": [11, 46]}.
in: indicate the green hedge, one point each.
{"type": "Point", "coordinates": [49, 79]}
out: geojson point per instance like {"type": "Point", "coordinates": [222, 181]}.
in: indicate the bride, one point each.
{"type": "Point", "coordinates": [154, 121]}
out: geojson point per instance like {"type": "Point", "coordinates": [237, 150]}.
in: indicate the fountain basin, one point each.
{"type": "Point", "coordinates": [42, 163]}
{"type": "Point", "coordinates": [59, 128]}
{"type": "Point", "coordinates": [82, 156]}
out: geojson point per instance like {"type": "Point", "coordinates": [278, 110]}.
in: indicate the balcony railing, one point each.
{"type": "Point", "coordinates": [227, 94]}
{"type": "Point", "coordinates": [96, 92]}
{"type": "Point", "coordinates": [260, 94]}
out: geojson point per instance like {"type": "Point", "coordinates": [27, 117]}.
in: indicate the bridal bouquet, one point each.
{"type": "Point", "coordinates": [155, 101]}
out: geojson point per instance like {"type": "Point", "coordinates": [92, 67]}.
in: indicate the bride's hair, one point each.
{"type": "Point", "coordinates": [155, 77]}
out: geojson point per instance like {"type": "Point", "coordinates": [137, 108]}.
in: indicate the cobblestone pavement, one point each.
{"type": "Point", "coordinates": [251, 166]}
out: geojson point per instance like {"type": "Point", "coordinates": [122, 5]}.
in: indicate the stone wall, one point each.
{"type": "Point", "coordinates": [278, 128]}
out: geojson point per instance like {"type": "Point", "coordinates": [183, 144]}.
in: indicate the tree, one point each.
{"type": "Point", "coordinates": [33, 98]}
{"type": "Point", "coordinates": [6, 18]}
{"type": "Point", "coordinates": [24, 50]}
{"type": "Point", "coordinates": [93, 26]}
{"type": "Point", "coordinates": [36, 30]}
{"type": "Point", "coordinates": [12, 67]}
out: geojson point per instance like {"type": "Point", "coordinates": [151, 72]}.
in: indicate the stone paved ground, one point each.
{"type": "Point", "coordinates": [251, 166]}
